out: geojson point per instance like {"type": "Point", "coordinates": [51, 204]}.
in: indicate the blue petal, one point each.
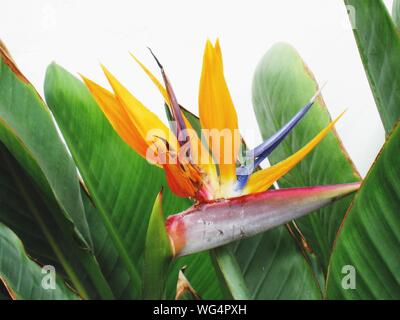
{"type": "Point", "coordinates": [265, 149]}
{"type": "Point", "coordinates": [260, 153]}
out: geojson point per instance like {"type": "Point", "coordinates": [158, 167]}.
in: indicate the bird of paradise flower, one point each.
{"type": "Point", "coordinates": [232, 197]}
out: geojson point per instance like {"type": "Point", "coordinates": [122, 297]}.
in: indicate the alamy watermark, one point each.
{"type": "Point", "coordinates": [350, 19]}
{"type": "Point", "coordinates": [349, 280]}
{"type": "Point", "coordinates": [183, 149]}
{"type": "Point", "coordinates": [49, 278]}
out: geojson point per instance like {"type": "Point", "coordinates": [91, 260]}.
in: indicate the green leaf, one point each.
{"type": "Point", "coordinates": [369, 240]}
{"type": "Point", "coordinates": [281, 86]}
{"type": "Point", "coordinates": [106, 254]}
{"type": "Point", "coordinates": [396, 13]}
{"type": "Point", "coordinates": [83, 128]}
{"type": "Point", "coordinates": [274, 267]}
{"type": "Point", "coordinates": [24, 208]}
{"type": "Point", "coordinates": [120, 182]}
{"type": "Point", "coordinates": [158, 254]}
{"type": "Point", "coordinates": [41, 184]}
{"type": "Point", "coordinates": [22, 276]}
{"type": "Point", "coordinates": [193, 120]}
{"type": "Point", "coordinates": [379, 46]}
{"type": "Point", "coordinates": [15, 212]}
{"type": "Point", "coordinates": [199, 266]}
{"type": "Point", "coordinates": [27, 129]}
{"type": "Point", "coordinates": [230, 273]}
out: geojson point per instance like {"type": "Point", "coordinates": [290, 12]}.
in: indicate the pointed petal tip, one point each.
{"type": "Point", "coordinates": [132, 55]}
{"type": "Point", "coordinates": [265, 149]}
{"type": "Point", "coordinates": [208, 47]}
{"type": "Point", "coordinates": [155, 58]}
{"type": "Point", "coordinates": [264, 178]}
{"type": "Point", "coordinates": [90, 84]}
{"type": "Point", "coordinates": [105, 70]}
{"type": "Point", "coordinates": [110, 77]}
{"type": "Point", "coordinates": [87, 82]}
{"type": "Point", "coordinates": [210, 43]}
{"type": "Point", "coordinates": [339, 116]}
{"type": "Point", "coordinates": [318, 93]}
{"type": "Point", "coordinates": [135, 58]}
{"type": "Point", "coordinates": [85, 79]}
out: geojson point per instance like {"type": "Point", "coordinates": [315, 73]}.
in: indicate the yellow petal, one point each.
{"type": "Point", "coordinates": [263, 179]}
{"type": "Point", "coordinates": [146, 122]}
{"type": "Point", "coordinates": [217, 111]}
{"type": "Point", "coordinates": [202, 158]}
{"type": "Point", "coordinates": [160, 87]}
{"type": "Point", "coordinates": [157, 83]}
{"type": "Point", "coordinates": [218, 51]}
{"type": "Point", "coordinates": [116, 115]}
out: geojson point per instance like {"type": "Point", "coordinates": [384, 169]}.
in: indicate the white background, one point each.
{"type": "Point", "coordinates": [81, 34]}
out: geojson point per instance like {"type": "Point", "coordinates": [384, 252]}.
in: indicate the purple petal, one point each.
{"type": "Point", "coordinates": [176, 110]}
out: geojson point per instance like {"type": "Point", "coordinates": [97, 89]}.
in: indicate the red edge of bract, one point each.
{"type": "Point", "coordinates": [176, 231]}
{"type": "Point", "coordinates": [270, 194]}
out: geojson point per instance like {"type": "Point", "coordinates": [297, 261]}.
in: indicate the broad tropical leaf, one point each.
{"type": "Point", "coordinates": [369, 239]}
{"type": "Point", "coordinates": [282, 84]}
{"type": "Point", "coordinates": [122, 185]}
{"type": "Point", "coordinates": [49, 195]}
{"type": "Point", "coordinates": [24, 208]}
{"type": "Point", "coordinates": [22, 276]}
{"type": "Point", "coordinates": [106, 254]}
{"type": "Point", "coordinates": [27, 129]}
{"type": "Point", "coordinates": [275, 268]}
{"type": "Point", "coordinates": [396, 13]}
{"type": "Point", "coordinates": [15, 212]}
{"type": "Point", "coordinates": [379, 46]}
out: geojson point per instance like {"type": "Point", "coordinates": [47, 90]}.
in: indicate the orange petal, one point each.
{"type": "Point", "coordinates": [263, 179]}
{"type": "Point", "coordinates": [217, 111]}
{"type": "Point", "coordinates": [146, 122]}
{"type": "Point", "coordinates": [183, 180]}
{"type": "Point", "coordinates": [116, 115]}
